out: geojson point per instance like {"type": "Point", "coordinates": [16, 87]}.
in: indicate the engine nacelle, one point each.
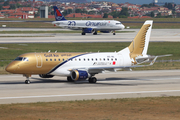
{"type": "Point", "coordinates": [79, 75]}
{"type": "Point", "coordinates": [45, 76]}
{"type": "Point", "coordinates": [105, 31]}
{"type": "Point", "coordinates": [88, 30]}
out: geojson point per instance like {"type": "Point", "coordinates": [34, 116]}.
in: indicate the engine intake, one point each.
{"type": "Point", "coordinates": [79, 75]}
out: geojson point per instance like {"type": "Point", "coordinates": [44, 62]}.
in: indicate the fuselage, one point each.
{"type": "Point", "coordinates": [94, 24]}
{"type": "Point", "coordinates": [61, 63]}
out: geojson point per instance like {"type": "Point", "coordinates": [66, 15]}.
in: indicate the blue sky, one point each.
{"type": "Point", "coordinates": [138, 1]}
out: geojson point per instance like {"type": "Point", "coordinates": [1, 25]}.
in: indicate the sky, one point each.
{"type": "Point", "coordinates": [138, 1]}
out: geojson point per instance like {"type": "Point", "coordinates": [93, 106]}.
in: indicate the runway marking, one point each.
{"type": "Point", "coordinates": [90, 94]}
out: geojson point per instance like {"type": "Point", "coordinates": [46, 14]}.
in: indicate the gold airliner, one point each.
{"type": "Point", "coordinates": [80, 66]}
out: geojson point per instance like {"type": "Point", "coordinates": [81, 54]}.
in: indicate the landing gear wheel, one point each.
{"type": "Point", "coordinates": [95, 33]}
{"type": "Point", "coordinates": [27, 81]}
{"type": "Point", "coordinates": [69, 79]}
{"type": "Point", "coordinates": [83, 33]}
{"type": "Point", "coordinates": [114, 33]}
{"type": "Point", "coordinates": [92, 80]}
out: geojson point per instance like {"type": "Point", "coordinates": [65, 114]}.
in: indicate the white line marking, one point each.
{"type": "Point", "coordinates": [70, 95]}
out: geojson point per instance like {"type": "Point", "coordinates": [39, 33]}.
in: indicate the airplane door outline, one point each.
{"type": "Point", "coordinates": [39, 62]}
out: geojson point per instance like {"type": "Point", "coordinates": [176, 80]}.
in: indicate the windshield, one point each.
{"type": "Point", "coordinates": [118, 23]}
{"type": "Point", "coordinates": [21, 59]}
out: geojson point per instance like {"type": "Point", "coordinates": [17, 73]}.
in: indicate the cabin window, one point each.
{"type": "Point", "coordinates": [84, 59]}
{"type": "Point", "coordinates": [50, 59]}
{"type": "Point", "coordinates": [96, 59]}
{"type": "Point", "coordinates": [100, 59]}
{"type": "Point", "coordinates": [63, 59]}
{"type": "Point", "coordinates": [79, 59]}
{"type": "Point", "coordinates": [46, 59]}
{"type": "Point", "coordinates": [112, 59]}
{"type": "Point", "coordinates": [88, 59]}
{"type": "Point", "coordinates": [115, 59]}
{"type": "Point", "coordinates": [59, 59]}
{"type": "Point", "coordinates": [104, 59]}
{"type": "Point", "coordinates": [108, 59]}
{"type": "Point", "coordinates": [92, 59]}
{"type": "Point", "coordinates": [54, 59]}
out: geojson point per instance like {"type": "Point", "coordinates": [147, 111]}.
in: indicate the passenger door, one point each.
{"type": "Point", "coordinates": [39, 61]}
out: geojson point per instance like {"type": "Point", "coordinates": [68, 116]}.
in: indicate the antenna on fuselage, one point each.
{"type": "Point", "coordinates": [49, 51]}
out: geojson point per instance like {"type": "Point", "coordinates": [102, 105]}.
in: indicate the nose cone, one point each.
{"type": "Point", "coordinates": [123, 26]}
{"type": "Point", "coordinates": [10, 68]}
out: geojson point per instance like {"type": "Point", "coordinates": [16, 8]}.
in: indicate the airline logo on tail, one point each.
{"type": "Point", "coordinates": [58, 14]}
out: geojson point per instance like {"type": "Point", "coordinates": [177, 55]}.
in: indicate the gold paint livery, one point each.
{"type": "Point", "coordinates": [82, 66]}
{"type": "Point", "coordinates": [38, 63]}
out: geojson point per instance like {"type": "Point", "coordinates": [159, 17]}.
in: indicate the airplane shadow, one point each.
{"type": "Point", "coordinates": [35, 80]}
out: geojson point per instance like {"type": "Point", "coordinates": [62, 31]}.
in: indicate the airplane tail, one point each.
{"type": "Point", "coordinates": [58, 15]}
{"type": "Point", "coordinates": [139, 45]}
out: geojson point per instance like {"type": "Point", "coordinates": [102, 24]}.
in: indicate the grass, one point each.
{"type": "Point", "coordinates": [155, 48]}
{"type": "Point", "coordinates": [165, 108]}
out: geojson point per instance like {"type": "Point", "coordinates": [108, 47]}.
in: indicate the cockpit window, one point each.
{"type": "Point", "coordinates": [21, 59]}
{"type": "Point", "coordinates": [118, 23]}
{"type": "Point", "coordinates": [25, 59]}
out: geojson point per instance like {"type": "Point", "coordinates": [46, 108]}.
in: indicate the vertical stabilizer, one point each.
{"type": "Point", "coordinates": [139, 45]}
{"type": "Point", "coordinates": [58, 15]}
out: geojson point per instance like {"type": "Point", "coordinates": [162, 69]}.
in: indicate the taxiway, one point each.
{"type": "Point", "coordinates": [125, 84]}
{"type": "Point", "coordinates": [158, 35]}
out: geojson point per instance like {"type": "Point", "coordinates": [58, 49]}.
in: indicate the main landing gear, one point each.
{"type": "Point", "coordinates": [69, 79]}
{"type": "Point", "coordinates": [114, 32]}
{"type": "Point", "coordinates": [95, 33]}
{"type": "Point", "coordinates": [27, 77]}
{"type": "Point", "coordinates": [92, 80]}
{"type": "Point", "coordinates": [83, 33]}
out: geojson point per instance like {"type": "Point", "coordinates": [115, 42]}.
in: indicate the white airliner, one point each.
{"type": "Point", "coordinates": [87, 26]}
{"type": "Point", "coordinates": [82, 66]}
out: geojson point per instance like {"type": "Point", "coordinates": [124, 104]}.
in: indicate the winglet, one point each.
{"type": "Point", "coordinates": [58, 15]}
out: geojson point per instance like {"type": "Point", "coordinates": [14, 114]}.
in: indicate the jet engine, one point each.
{"type": "Point", "coordinates": [45, 76]}
{"type": "Point", "coordinates": [79, 75]}
{"type": "Point", "coordinates": [88, 30]}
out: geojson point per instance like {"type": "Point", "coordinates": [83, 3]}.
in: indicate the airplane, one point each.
{"type": "Point", "coordinates": [87, 26]}
{"type": "Point", "coordinates": [82, 66]}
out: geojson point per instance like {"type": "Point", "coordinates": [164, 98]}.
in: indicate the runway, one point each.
{"type": "Point", "coordinates": [158, 35]}
{"type": "Point", "coordinates": [125, 84]}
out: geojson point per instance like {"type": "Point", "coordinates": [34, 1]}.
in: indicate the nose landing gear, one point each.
{"type": "Point", "coordinates": [27, 77]}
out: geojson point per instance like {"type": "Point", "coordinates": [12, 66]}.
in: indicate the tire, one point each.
{"type": "Point", "coordinates": [83, 33]}
{"type": "Point", "coordinates": [27, 82]}
{"type": "Point", "coordinates": [92, 80]}
{"type": "Point", "coordinates": [69, 79]}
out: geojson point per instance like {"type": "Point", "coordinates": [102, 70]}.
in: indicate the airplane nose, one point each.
{"type": "Point", "coordinates": [123, 26]}
{"type": "Point", "coordinates": [10, 68]}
